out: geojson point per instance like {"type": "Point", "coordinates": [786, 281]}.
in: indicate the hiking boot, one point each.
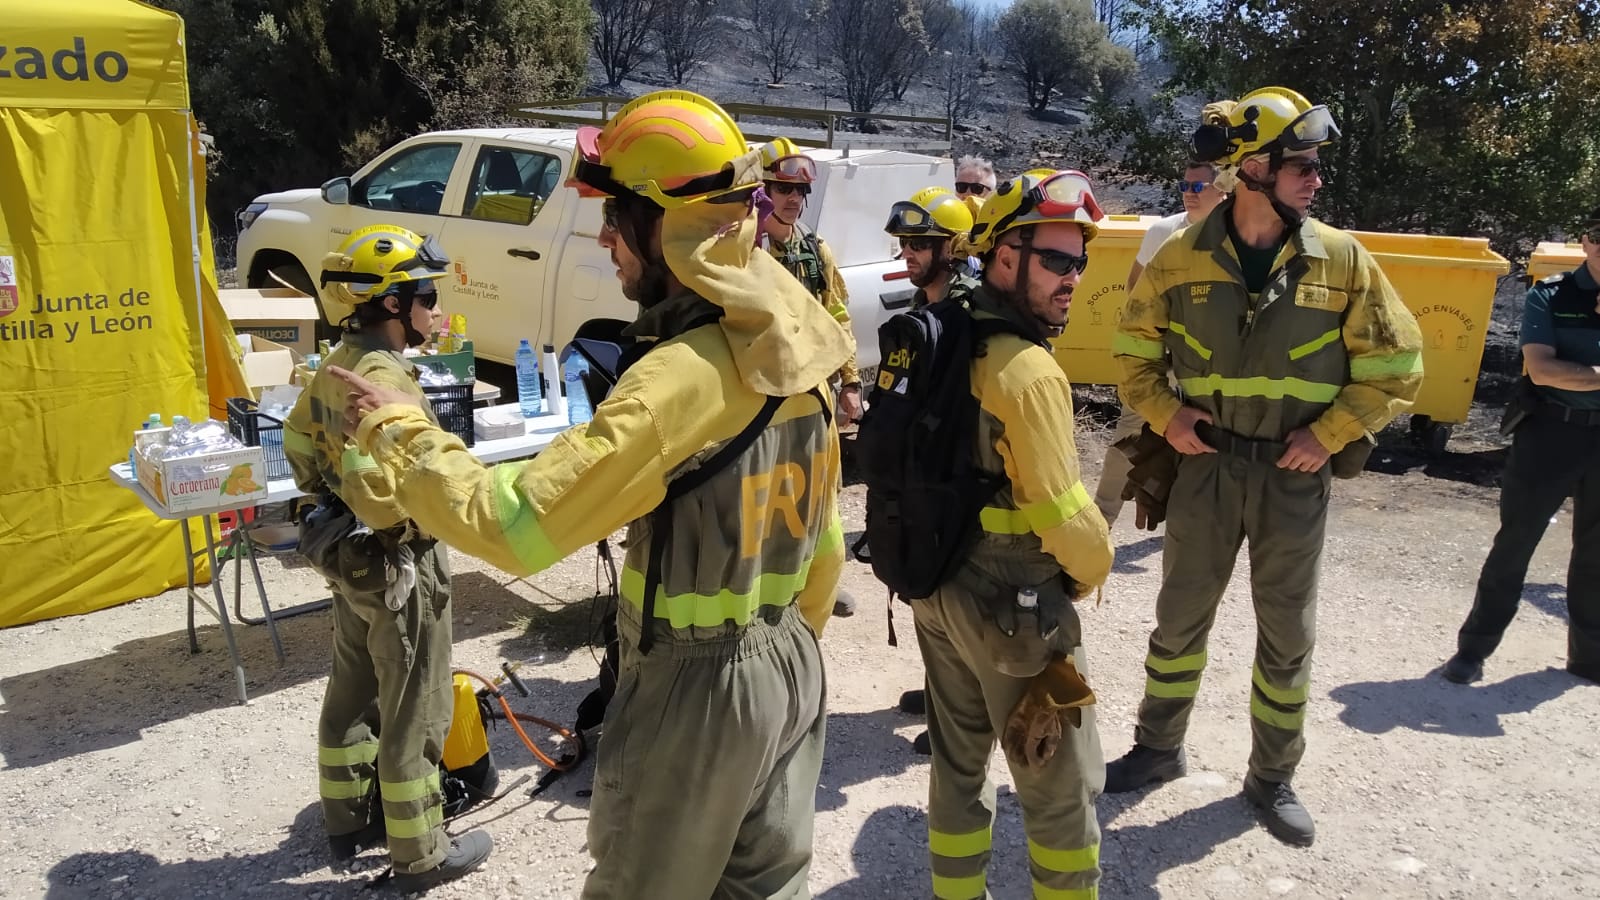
{"type": "Point", "coordinates": [348, 846]}
{"type": "Point", "coordinates": [914, 702]}
{"type": "Point", "coordinates": [923, 745]}
{"type": "Point", "coordinates": [1145, 765]}
{"type": "Point", "coordinates": [844, 605]}
{"type": "Point", "coordinates": [1463, 669]}
{"type": "Point", "coordinates": [1281, 811]}
{"type": "Point", "coordinates": [467, 852]}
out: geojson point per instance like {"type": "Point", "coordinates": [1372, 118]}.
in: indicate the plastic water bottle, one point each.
{"type": "Point", "coordinates": [528, 396]}
{"type": "Point", "coordinates": [1027, 599]}
{"type": "Point", "coordinates": [151, 421]}
{"type": "Point", "coordinates": [578, 409]}
{"type": "Point", "coordinates": [554, 403]}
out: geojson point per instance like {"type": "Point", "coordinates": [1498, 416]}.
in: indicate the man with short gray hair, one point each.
{"type": "Point", "coordinates": [974, 177]}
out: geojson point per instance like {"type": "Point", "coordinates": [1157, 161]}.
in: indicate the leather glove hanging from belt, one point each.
{"type": "Point", "coordinates": [1055, 696]}
{"type": "Point", "coordinates": [1155, 467]}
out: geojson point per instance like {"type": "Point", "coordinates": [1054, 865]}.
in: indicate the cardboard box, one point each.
{"type": "Point", "coordinates": [267, 364]}
{"type": "Point", "coordinates": [227, 479]}
{"type": "Point", "coordinates": [460, 364]}
{"type": "Point", "coordinates": [281, 315]}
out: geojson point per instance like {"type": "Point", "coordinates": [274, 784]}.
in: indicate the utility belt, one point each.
{"type": "Point", "coordinates": [1526, 400]}
{"type": "Point", "coordinates": [1347, 463]}
{"type": "Point", "coordinates": [357, 559]}
{"type": "Point", "coordinates": [1024, 639]}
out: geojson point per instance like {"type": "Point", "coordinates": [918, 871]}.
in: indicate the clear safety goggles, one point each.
{"type": "Point", "coordinates": [798, 167]}
{"type": "Point", "coordinates": [1312, 128]}
{"type": "Point", "coordinates": [1063, 194]}
{"type": "Point", "coordinates": [908, 218]}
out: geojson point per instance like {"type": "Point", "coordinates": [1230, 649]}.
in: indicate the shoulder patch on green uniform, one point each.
{"type": "Point", "coordinates": [1554, 279]}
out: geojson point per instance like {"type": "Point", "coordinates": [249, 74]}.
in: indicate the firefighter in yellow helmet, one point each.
{"type": "Point", "coordinates": [388, 703]}
{"type": "Point", "coordinates": [717, 449]}
{"type": "Point", "coordinates": [994, 671]}
{"type": "Point", "coordinates": [788, 177]}
{"type": "Point", "coordinates": [932, 228]}
{"type": "Point", "coordinates": [1291, 349]}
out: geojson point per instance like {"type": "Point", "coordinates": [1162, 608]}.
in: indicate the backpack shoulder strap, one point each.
{"type": "Point", "coordinates": [687, 482]}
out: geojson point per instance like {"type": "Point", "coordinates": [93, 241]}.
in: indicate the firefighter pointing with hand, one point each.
{"type": "Point", "coordinates": [1291, 350]}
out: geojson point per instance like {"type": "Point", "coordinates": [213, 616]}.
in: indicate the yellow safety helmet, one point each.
{"type": "Point", "coordinates": [782, 160]}
{"type": "Point", "coordinates": [1034, 198]}
{"type": "Point", "coordinates": [375, 261]}
{"type": "Point", "coordinates": [934, 211]}
{"type": "Point", "coordinates": [672, 148]}
{"type": "Point", "coordinates": [1270, 120]}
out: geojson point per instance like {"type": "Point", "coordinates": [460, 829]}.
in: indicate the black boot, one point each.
{"type": "Point", "coordinates": [922, 745]}
{"type": "Point", "coordinates": [467, 852]}
{"type": "Point", "coordinates": [1281, 811]}
{"type": "Point", "coordinates": [1145, 765]}
{"type": "Point", "coordinates": [914, 702]}
{"type": "Point", "coordinates": [844, 605]}
{"type": "Point", "coordinates": [1588, 673]}
{"type": "Point", "coordinates": [347, 846]}
{"type": "Point", "coordinates": [1463, 669]}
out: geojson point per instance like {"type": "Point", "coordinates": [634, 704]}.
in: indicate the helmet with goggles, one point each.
{"type": "Point", "coordinates": [1035, 198]}
{"type": "Point", "coordinates": [782, 160]}
{"type": "Point", "coordinates": [931, 212]}
{"type": "Point", "coordinates": [671, 148]}
{"type": "Point", "coordinates": [376, 261]}
{"type": "Point", "coordinates": [1271, 120]}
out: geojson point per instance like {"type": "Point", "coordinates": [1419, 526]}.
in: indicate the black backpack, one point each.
{"type": "Point", "coordinates": [915, 449]}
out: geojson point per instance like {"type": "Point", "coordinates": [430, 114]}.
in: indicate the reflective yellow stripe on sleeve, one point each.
{"type": "Point", "coordinates": [520, 523]}
{"type": "Point", "coordinates": [298, 443]}
{"type": "Point", "coordinates": [1310, 347]}
{"type": "Point", "coordinates": [1127, 345]}
{"type": "Point", "coordinates": [1367, 368]}
{"type": "Point", "coordinates": [353, 461]}
{"type": "Point", "coordinates": [1047, 514]}
{"type": "Point", "coordinates": [999, 520]}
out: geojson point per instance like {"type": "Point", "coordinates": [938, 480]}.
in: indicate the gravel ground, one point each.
{"type": "Point", "coordinates": [130, 772]}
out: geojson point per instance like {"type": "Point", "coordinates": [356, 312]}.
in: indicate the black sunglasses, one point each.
{"type": "Point", "coordinates": [921, 244]}
{"type": "Point", "coordinates": [788, 187]}
{"type": "Point", "coordinates": [1303, 167]}
{"type": "Point", "coordinates": [972, 187]}
{"type": "Point", "coordinates": [1060, 264]}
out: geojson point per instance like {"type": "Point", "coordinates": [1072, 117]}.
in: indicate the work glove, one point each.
{"type": "Point", "coordinates": [1054, 697]}
{"type": "Point", "coordinates": [1154, 469]}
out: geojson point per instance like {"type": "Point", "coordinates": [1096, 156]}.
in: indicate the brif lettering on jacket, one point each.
{"type": "Point", "coordinates": [776, 493]}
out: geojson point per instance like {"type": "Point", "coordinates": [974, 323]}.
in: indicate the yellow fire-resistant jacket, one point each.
{"type": "Point", "coordinates": [818, 273]}
{"type": "Point", "coordinates": [1043, 517]}
{"type": "Point", "coordinates": [314, 441]}
{"type": "Point", "coordinates": [1328, 343]}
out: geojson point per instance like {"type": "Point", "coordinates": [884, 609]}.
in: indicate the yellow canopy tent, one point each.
{"type": "Point", "coordinates": [108, 307]}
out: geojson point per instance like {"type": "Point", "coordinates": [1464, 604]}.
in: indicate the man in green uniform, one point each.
{"type": "Point", "coordinates": [388, 704]}
{"type": "Point", "coordinates": [1039, 532]}
{"type": "Point", "coordinates": [717, 449]}
{"type": "Point", "coordinates": [932, 228]}
{"type": "Point", "coordinates": [1555, 454]}
{"type": "Point", "coordinates": [1290, 347]}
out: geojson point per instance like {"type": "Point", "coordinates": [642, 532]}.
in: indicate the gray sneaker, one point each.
{"type": "Point", "coordinates": [1281, 811]}
{"type": "Point", "coordinates": [1144, 766]}
{"type": "Point", "coordinates": [467, 852]}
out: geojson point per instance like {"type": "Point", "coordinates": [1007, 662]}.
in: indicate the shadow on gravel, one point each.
{"type": "Point", "coordinates": [1434, 706]}
{"type": "Point", "coordinates": [890, 850]}
{"type": "Point", "coordinates": [1129, 555]}
{"type": "Point", "coordinates": [1550, 599]}
{"type": "Point", "coordinates": [106, 701]}
{"type": "Point", "coordinates": [1132, 858]}
{"type": "Point", "coordinates": [131, 873]}
{"type": "Point", "coordinates": [862, 747]}
{"type": "Point", "coordinates": [1482, 467]}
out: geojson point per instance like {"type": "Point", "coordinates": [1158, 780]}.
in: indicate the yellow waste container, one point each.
{"type": "Point", "coordinates": [1449, 284]}
{"type": "Point", "coordinates": [1083, 349]}
{"type": "Point", "coordinates": [1554, 257]}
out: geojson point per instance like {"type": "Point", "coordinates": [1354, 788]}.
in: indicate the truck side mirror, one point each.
{"type": "Point", "coordinates": [336, 190]}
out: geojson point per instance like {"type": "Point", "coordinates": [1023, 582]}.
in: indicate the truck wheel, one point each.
{"type": "Point", "coordinates": [296, 277]}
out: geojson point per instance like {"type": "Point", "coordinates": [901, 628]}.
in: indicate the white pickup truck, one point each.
{"type": "Point", "coordinates": [525, 261]}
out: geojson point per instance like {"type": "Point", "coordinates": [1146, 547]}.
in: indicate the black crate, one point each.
{"type": "Point", "coordinates": [452, 404]}
{"type": "Point", "coordinates": [257, 429]}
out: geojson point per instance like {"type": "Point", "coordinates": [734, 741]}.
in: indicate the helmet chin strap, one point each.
{"type": "Point", "coordinates": [1291, 217]}
{"type": "Point", "coordinates": [1019, 294]}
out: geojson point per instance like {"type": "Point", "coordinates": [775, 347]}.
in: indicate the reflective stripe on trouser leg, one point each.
{"type": "Point", "coordinates": [1076, 865]}
{"type": "Point", "coordinates": [1286, 530]}
{"type": "Point", "coordinates": [1058, 811]}
{"type": "Point", "coordinates": [347, 751]}
{"type": "Point", "coordinates": [1205, 527]}
{"type": "Point", "coordinates": [411, 656]}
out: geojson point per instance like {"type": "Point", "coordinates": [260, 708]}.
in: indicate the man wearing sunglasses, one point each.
{"type": "Point", "coordinates": [388, 703]}
{"type": "Point", "coordinates": [974, 177]}
{"type": "Point", "coordinates": [1555, 454]}
{"type": "Point", "coordinates": [788, 180]}
{"type": "Point", "coordinates": [1198, 191]}
{"type": "Point", "coordinates": [1291, 350]}
{"type": "Point", "coordinates": [928, 227]}
{"type": "Point", "coordinates": [992, 672]}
